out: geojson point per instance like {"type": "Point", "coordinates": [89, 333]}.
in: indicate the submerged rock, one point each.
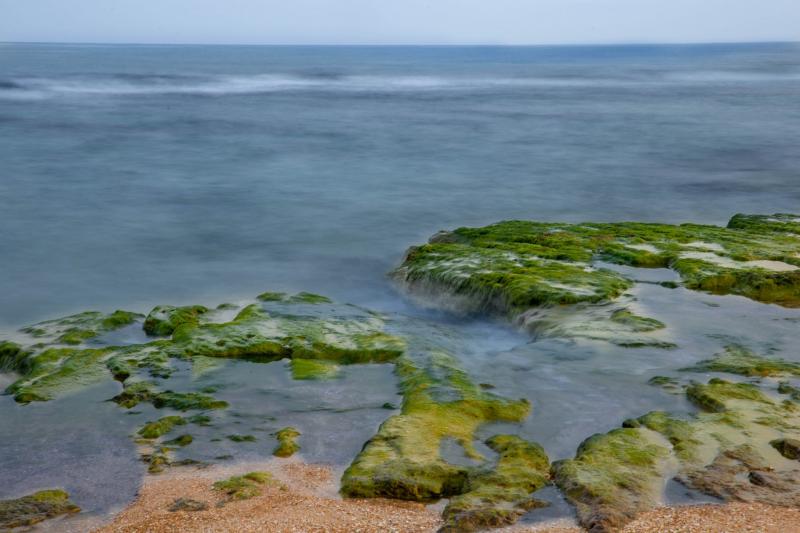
{"type": "Point", "coordinates": [287, 442]}
{"type": "Point", "coordinates": [35, 508]}
{"type": "Point", "coordinates": [740, 360]}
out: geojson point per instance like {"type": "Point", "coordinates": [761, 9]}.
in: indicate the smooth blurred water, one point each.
{"type": "Point", "coordinates": [138, 175]}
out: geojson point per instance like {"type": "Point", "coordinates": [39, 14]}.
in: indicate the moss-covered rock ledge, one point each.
{"type": "Point", "coordinates": [739, 447]}
{"type": "Point", "coordinates": [514, 266]}
{"type": "Point", "coordinates": [403, 459]}
{"type": "Point", "coordinates": [30, 510]}
{"type": "Point", "coordinates": [58, 359]}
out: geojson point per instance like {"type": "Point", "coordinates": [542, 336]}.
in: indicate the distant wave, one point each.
{"type": "Point", "coordinates": [132, 84]}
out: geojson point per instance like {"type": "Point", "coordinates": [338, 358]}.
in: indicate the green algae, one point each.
{"type": "Point", "coordinates": [271, 296]}
{"type": "Point", "coordinates": [244, 487]}
{"type": "Point", "coordinates": [728, 450]}
{"type": "Point", "coordinates": [403, 459]}
{"type": "Point", "coordinates": [241, 438]}
{"type": "Point", "coordinates": [513, 266]}
{"type": "Point", "coordinates": [258, 336]}
{"type": "Point", "coordinates": [165, 319]}
{"type": "Point", "coordinates": [135, 393]}
{"type": "Point", "coordinates": [597, 322]}
{"type": "Point", "coordinates": [498, 495]}
{"type": "Point", "coordinates": [778, 223]}
{"type": "Point", "coordinates": [13, 358]}
{"type": "Point", "coordinates": [740, 360]}
{"type": "Point", "coordinates": [613, 477]}
{"type": "Point", "coordinates": [287, 442]}
{"type": "Point", "coordinates": [80, 327]}
{"type": "Point", "coordinates": [160, 427]}
{"type": "Point", "coordinates": [57, 371]}
{"type": "Point", "coordinates": [30, 510]}
{"type": "Point", "coordinates": [635, 322]}
{"type": "Point", "coordinates": [47, 371]}
{"type": "Point", "coordinates": [314, 369]}
{"type": "Point", "coordinates": [186, 401]}
{"type": "Point", "coordinates": [181, 440]}
{"type": "Point", "coordinates": [715, 395]}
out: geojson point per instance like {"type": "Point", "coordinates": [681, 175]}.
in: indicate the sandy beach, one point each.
{"type": "Point", "coordinates": [303, 497]}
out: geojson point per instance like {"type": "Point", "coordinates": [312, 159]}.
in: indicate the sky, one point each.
{"type": "Point", "coordinates": [399, 21]}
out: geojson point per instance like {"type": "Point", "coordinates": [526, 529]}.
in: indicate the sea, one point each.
{"type": "Point", "coordinates": [137, 175]}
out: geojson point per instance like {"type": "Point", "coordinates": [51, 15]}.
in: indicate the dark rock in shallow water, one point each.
{"type": "Point", "coordinates": [35, 508]}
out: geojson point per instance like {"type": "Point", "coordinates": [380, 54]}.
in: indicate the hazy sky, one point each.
{"type": "Point", "coordinates": [399, 21]}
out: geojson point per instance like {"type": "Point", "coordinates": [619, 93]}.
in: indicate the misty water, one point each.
{"type": "Point", "coordinates": [140, 175]}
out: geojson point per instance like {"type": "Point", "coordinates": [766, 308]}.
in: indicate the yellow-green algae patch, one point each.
{"type": "Point", "coordinates": [80, 327]}
{"type": "Point", "coordinates": [287, 442]}
{"type": "Point", "coordinates": [497, 495]}
{"type": "Point", "coordinates": [244, 487]}
{"type": "Point", "coordinates": [727, 450]}
{"type": "Point", "coordinates": [312, 369]}
{"type": "Point", "coordinates": [323, 339]}
{"type": "Point", "coordinates": [740, 360]}
{"type": "Point", "coordinates": [403, 459]}
{"type": "Point", "coordinates": [30, 510]}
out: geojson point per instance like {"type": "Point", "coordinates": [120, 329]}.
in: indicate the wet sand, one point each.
{"type": "Point", "coordinates": [303, 498]}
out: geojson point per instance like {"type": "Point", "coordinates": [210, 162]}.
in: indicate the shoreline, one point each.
{"type": "Point", "coordinates": [304, 497]}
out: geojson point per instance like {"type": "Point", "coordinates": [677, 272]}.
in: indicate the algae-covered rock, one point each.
{"type": "Point", "coordinates": [403, 459]}
{"type": "Point", "coordinates": [613, 323]}
{"type": "Point", "coordinates": [75, 329]}
{"type": "Point", "coordinates": [498, 495]}
{"type": "Point", "coordinates": [734, 449]}
{"type": "Point", "coordinates": [241, 438]}
{"type": "Point", "coordinates": [164, 319]}
{"type": "Point", "coordinates": [186, 401]}
{"type": "Point", "coordinates": [259, 336]}
{"type": "Point", "coordinates": [35, 508]}
{"type": "Point", "coordinates": [739, 360]}
{"type": "Point", "coordinates": [613, 477]}
{"type": "Point", "coordinates": [57, 371]}
{"type": "Point", "coordinates": [135, 393]}
{"type": "Point", "coordinates": [13, 357]}
{"type": "Point", "coordinates": [244, 487]}
{"type": "Point", "coordinates": [162, 426]}
{"type": "Point", "coordinates": [512, 266]}
{"type": "Point", "coordinates": [181, 440]}
{"type": "Point", "coordinates": [287, 442]}
{"type": "Point", "coordinates": [311, 369]}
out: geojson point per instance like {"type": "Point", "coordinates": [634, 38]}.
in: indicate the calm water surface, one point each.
{"type": "Point", "coordinates": [139, 175]}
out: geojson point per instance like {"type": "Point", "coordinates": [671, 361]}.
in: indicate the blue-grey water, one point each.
{"type": "Point", "coordinates": [137, 175]}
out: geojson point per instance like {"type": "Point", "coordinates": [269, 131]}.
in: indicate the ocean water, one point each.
{"type": "Point", "coordinates": [139, 175]}
{"type": "Point", "coordinates": [132, 176]}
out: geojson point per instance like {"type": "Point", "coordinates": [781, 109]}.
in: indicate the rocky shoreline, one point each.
{"type": "Point", "coordinates": [739, 443]}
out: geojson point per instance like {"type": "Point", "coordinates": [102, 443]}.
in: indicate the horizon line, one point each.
{"type": "Point", "coordinates": [426, 45]}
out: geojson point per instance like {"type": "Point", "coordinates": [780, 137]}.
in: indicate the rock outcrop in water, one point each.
{"type": "Point", "coordinates": [730, 450]}
{"type": "Point", "coordinates": [403, 460]}
{"type": "Point", "coordinates": [315, 339]}
{"type": "Point", "coordinates": [516, 268]}
{"type": "Point", "coordinates": [30, 510]}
